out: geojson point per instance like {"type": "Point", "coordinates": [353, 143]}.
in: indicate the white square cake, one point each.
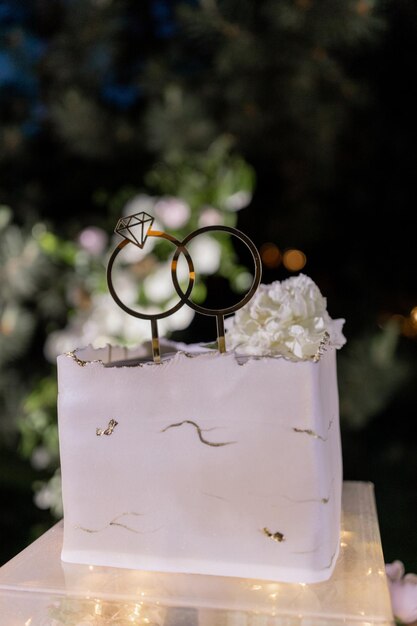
{"type": "Point", "coordinates": [206, 463]}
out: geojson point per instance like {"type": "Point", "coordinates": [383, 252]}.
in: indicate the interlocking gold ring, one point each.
{"type": "Point", "coordinates": [125, 228]}
{"type": "Point", "coordinates": [153, 317]}
{"type": "Point", "coordinates": [150, 316]}
{"type": "Point", "coordinates": [182, 249]}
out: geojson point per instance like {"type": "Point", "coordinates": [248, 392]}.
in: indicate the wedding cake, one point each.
{"type": "Point", "coordinates": [209, 463]}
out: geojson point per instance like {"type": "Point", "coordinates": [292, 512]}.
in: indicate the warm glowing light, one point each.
{"type": "Point", "coordinates": [346, 534]}
{"type": "Point", "coordinates": [256, 587]}
{"type": "Point", "coordinates": [98, 609]}
{"type": "Point", "coordinates": [270, 255]}
{"type": "Point", "coordinates": [369, 571]}
{"type": "Point", "coordinates": [406, 325]}
{"type": "Point", "coordinates": [28, 622]}
{"type": "Point", "coordinates": [91, 567]}
{"type": "Point", "coordinates": [343, 544]}
{"type": "Point", "coordinates": [302, 584]}
{"type": "Point", "coordinates": [398, 318]}
{"type": "Point", "coordinates": [409, 327]}
{"type": "Point", "coordinates": [294, 260]}
{"type": "Point", "coordinates": [363, 7]}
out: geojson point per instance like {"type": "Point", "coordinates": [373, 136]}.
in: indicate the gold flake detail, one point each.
{"type": "Point", "coordinates": [276, 536]}
{"type": "Point", "coordinates": [312, 433]}
{"type": "Point", "coordinates": [200, 433]}
{"type": "Point", "coordinates": [322, 347]}
{"type": "Point", "coordinates": [331, 561]}
{"type": "Point", "coordinates": [116, 522]}
{"type": "Point", "coordinates": [93, 610]}
{"type": "Point", "coordinates": [79, 361]}
{"type": "Point", "coordinates": [307, 431]}
{"type": "Point", "coordinates": [307, 500]}
{"type": "Point", "coordinates": [107, 431]}
{"type": "Point", "coordinates": [213, 495]}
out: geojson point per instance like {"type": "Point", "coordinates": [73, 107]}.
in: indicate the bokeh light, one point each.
{"type": "Point", "coordinates": [270, 255]}
{"type": "Point", "coordinates": [294, 260]}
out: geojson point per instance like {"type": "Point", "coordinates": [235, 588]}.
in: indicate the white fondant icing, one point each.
{"type": "Point", "coordinates": [209, 456]}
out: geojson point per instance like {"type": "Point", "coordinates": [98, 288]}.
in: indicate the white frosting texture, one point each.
{"type": "Point", "coordinates": [204, 464]}
{"type": "Point", "coordinates": [288, 319]}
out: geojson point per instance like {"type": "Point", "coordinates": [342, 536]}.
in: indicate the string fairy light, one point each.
{"type": "Point", "coordinates": [106, 613]}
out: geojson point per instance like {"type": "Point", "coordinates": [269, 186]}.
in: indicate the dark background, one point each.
{"type": "Point", "coordinates": [317, 96]}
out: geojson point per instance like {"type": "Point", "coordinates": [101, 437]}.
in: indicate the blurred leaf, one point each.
{"type": "Point", "coordinates": [370, 373]}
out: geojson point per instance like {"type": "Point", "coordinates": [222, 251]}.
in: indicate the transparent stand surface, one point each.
{"type": "Point", "coordinates": [37, 589]}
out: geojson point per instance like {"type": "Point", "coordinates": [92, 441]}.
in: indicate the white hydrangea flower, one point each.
{"type": "Point", "coordinates": [206, 254]}
{"type": "Point", "coordinates": [286, 319]}
{"type": "Point", "coordinates": [49, 495]}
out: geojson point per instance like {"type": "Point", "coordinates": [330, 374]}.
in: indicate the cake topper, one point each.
{"type": "Point", "coordinates": [135, 229]}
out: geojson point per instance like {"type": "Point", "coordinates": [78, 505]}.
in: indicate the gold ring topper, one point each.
{"type": "Point", "coordinates": [135, 229]}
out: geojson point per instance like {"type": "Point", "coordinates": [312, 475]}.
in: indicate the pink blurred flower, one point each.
{"type": "Point", "coordinates": [403, 590]}
{"type": "Point", "coordinates": [173, 212]}
{"type": "Point", "coordinates": [210, 217]}
{"type": "Point", "coordinates": [93, 240]}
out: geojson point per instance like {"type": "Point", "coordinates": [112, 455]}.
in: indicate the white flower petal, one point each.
{"type": "Point", "coordinates": [286, 318]}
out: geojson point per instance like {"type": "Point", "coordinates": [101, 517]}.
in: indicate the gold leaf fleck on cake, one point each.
{"type": "Point", "coordinates": [324, 500]}
{"type": "Point", "coordinates": [213, 495]}
{"type": "Point", "coordinates": [74, 357]}
{"type": "Point", "coordinates": [200, 433]}
{"type": "Point", "coordinates": [308, 431]}
{"type": "Point", "coordinates": [306, 500]}
{"type": "Point", "coordinates": [79, 361]}
{"type": "Point", "coordinates": [107, 431]}
{"type": "Point", "coordinates": [116, 522]}
{"type": "Point", "coordinates": [322, 347]}
{"type": "Point", "coordinates": [312, 433]}
{"type": "Point", "coordinates": [331, 561]}
{"type": "Point", "coordinates": [276, 536]}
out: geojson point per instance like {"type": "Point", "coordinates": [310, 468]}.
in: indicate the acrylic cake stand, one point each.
{"type": "Point", "coordinates": [37, 589]}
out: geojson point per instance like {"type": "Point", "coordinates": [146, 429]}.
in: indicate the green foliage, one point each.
{"type": "Point", "coordinates": [278, 71]}
{"type": "Point", "coordinates": [29, 298]}
{"type": "Point", "coordinates": [210, 178]}
{"type": "Point", "coordinates": [38, 426]}
{"type": "Point", "coordinates": [55, 288]}
{"type": "Point", "coordinates": [370, 374]}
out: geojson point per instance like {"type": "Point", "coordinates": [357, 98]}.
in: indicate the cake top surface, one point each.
{"type": "Point", "coordinates": [287, 319]}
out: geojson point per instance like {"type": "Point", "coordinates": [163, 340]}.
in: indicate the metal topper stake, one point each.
{"type": "Point", "coordinates": [136, 229]}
